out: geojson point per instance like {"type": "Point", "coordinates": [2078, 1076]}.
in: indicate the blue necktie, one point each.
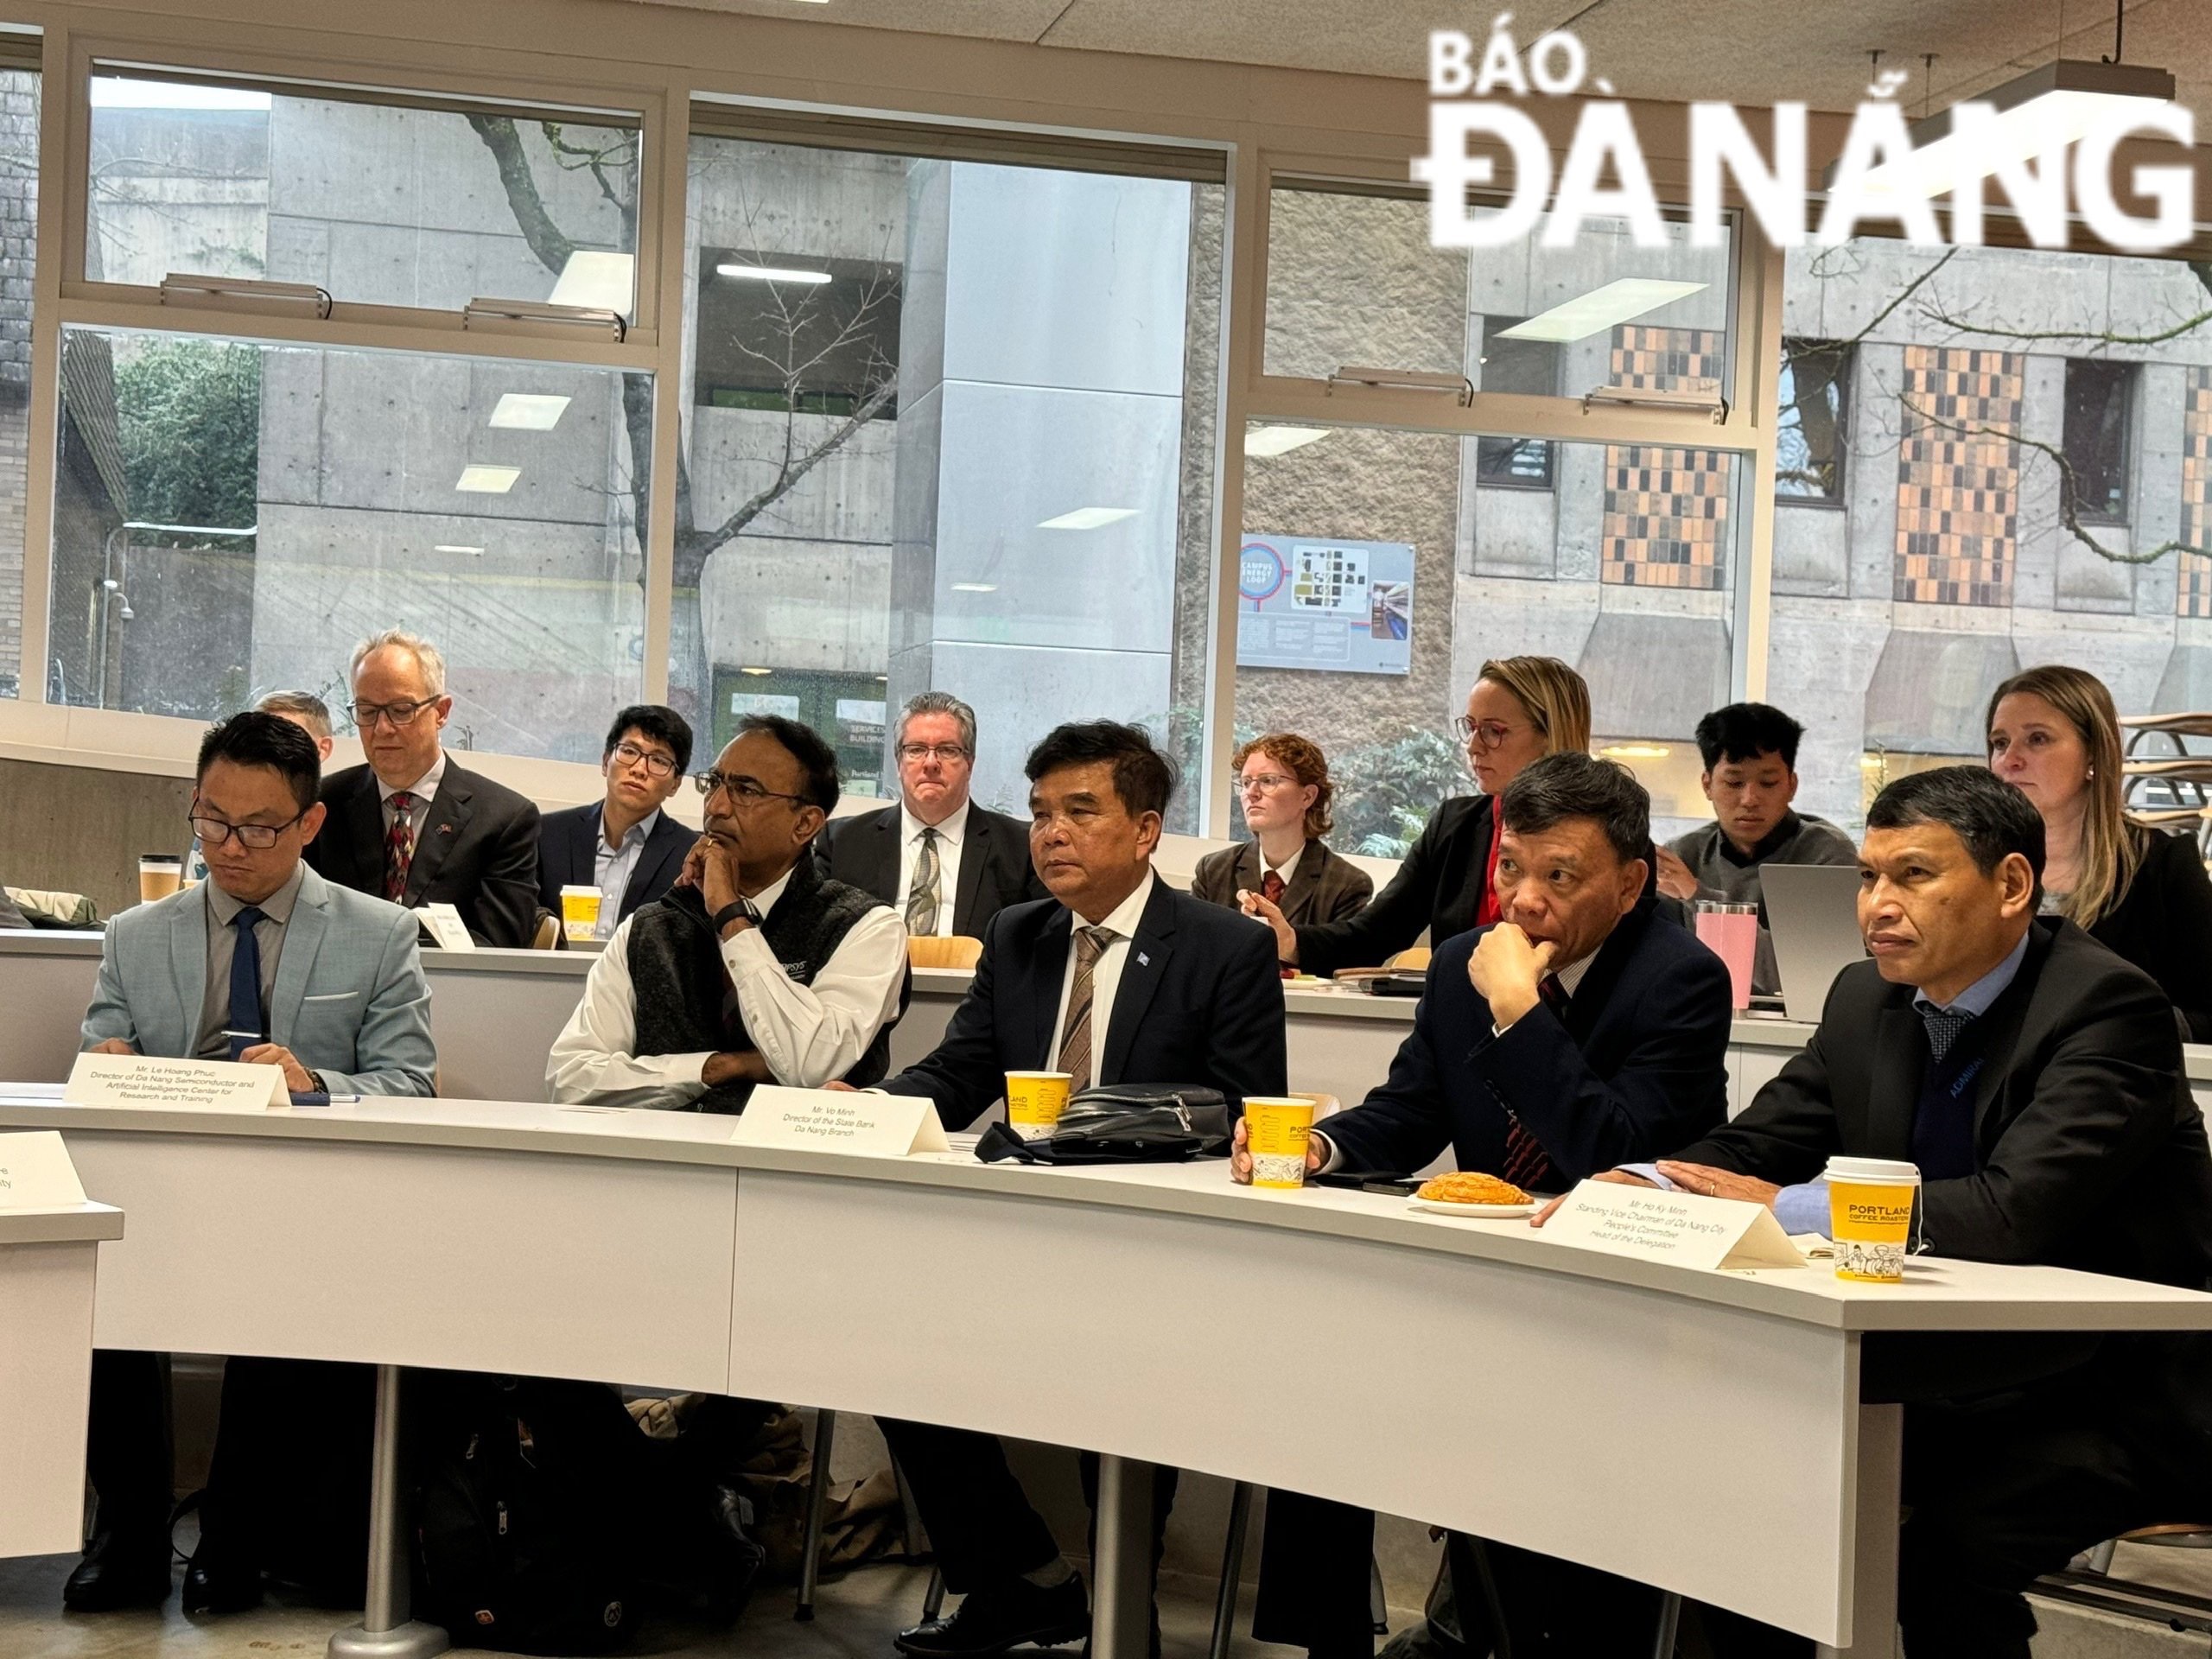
{"type": "Point", "coordinates": [245, 981]}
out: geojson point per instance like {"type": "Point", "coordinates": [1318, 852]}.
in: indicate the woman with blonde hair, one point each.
{"type": "Point", "coordinates": [1520, 709]}
{"type": "Point", "coordinates": [1283, 781]}
{"type": "Point", "coordinates": [2055, 736]}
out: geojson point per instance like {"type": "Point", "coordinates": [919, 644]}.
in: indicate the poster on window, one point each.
{"type": "Point", "coordinates": [1304, 603]}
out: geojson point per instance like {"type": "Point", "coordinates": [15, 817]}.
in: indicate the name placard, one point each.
{"type": "Point", "coordinates": [35, 1172]}
{"type": "Point", "coordinates": [1683, 1228]}
{"type": "Point", "coordinates": [447, 927]}
{"type": "Point", "coordinates": [178, 1085]}
{"type": "Point", "coordinates": [829, 1120]}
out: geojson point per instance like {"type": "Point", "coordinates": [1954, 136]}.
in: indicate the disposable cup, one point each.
{"type": "Point", "coordinates": [159, 875]}
{"type": "Point", "coordinates": [1870, 1216]}
{"type": "Point", "coordinates": [1731, 932]}
{"type": "Point", "coordinates": [579, 912]}
{"type": "Point", "coordinates": [1278, 1130]}
{"type": "Point", "coordinates": [1034, 1100]}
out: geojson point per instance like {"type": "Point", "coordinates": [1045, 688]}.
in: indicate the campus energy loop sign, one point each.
{"type": "Point", "coordinates": [1875, 178]}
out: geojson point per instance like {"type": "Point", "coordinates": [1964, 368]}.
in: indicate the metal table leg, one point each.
{"type": "Point", "coordinates": [385, 1630]}
{"type": "Point", "coordinates": [817, 1497]}
{"type": "Point", "coordinates": [1121, 1599]}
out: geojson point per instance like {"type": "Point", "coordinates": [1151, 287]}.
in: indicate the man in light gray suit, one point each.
{"type": "Point", "coordinates": [269, 963]}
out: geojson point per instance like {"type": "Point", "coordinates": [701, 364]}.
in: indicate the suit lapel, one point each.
{"type": "Point", "coordinates": [302, 939]}
{"type": "Point", "coordinates": [1044, 984]}
{"type": "Point", "coordinates": [188, 972]}
{"type": "Point", "coordinates": [1893, 1095]}
{"type": "Point", "coordinates": [977, 853]}
{"type": "Point", "coordinates": [669, 843]}
{"type": "Point", "coordinates": [1142, 969]}
{"type": "Point", "coordinates": [883, 855]}
{"type": "Point", "coordinates": [442, 827]}
{"type": "Point", "coordinates": [1300, 893]}
{"type": "Point", "coordinates": [364, 823]}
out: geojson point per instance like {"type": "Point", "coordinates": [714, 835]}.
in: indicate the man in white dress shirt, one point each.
{"type": "Point", "coordinates": [756, 968]}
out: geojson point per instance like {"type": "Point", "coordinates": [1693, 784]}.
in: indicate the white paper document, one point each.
{"type": "Point", "coordinates": [1679, 1227]}
{"type": "Point", "coordinates": [180, 1086]}
{"type": "Point", "coordinates": [447, 927]}
{"type": "Point", "coordinates": [829, 1120]}
{"type": "Point", "coordinates": [35, 1172]}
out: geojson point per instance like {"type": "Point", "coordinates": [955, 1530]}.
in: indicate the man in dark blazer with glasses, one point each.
{"type": "Point", "coordinates": [626, 845]}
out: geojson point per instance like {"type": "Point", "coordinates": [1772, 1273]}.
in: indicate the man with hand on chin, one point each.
{"type": "Point", "coordinates": [1545, 1046]}
{"type": "Point", "coordinates": [755, 967]}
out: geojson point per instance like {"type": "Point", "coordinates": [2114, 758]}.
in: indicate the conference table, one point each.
{"type": "Point", "coordinates": [1158, 1315]}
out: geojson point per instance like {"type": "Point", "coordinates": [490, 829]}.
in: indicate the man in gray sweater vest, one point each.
{"type": "Point", "coordinates": [1750, 751]}
{"type": "Point", "coordinates": [755, 967]}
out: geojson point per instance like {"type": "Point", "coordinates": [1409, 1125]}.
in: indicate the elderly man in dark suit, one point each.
{"type": "Point", "coordinates": [626, 845]}
{"type": "Point", "coordinates": [412, 826]}
{"type": "Point", "coordinates": [1116, 978]}
{"type": "Point", "coordinates": [1580, 1031]}
{"type": "Point", "coordinates": [944, 863]}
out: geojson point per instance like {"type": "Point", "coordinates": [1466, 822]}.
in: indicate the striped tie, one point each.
{"type": "Point", "coordinates": [399, 847]}
{"type": "Point", "coordinates": [921, 898]}
{"type": "Point", "coordinates": [1090, 944]}
{"type": "Point", "coordinates": [1526, 1164]}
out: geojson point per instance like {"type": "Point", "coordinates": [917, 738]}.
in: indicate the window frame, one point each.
{"type": "Point", "coordinates": [1843, 383]}
{"type": "Point", "coordinates": [2129, 378]}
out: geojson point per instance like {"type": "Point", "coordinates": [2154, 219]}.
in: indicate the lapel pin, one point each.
{"type": "Point", "coordinates": [1143, 961]}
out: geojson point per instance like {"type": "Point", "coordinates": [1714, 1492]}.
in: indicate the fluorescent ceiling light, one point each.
{"type": "Point", "coordinates": [455, 547]}
{"type": "Point", "coordinates": [1089, 519]}
{"type": "Point", "coordinates": [1636, 751]}
{"type": "Point", "coordinates": [756, 671]}
{"type": "Point", "coordinates": [601, 282]}
{"type": "Point", "coordinates": [1281, 439]}
{"type": "Point", "coordinates": [2039, 114]}
{"type": "Point", "coordinates": [1600, 308]}
{"type": "Point", "coordinates": [487, 480]}
{"type": "Point", "coordinates": [975, 587]}
{"type": "Point", "coordinates": [529, 411]}
{"type": "Point", "coordinates": [121, 93]}
{"type": "Point", "coordinates": [771, 274]}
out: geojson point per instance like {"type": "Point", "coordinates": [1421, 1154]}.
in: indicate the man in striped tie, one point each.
{"type": "Point", "coordinates": [1582, 1030]}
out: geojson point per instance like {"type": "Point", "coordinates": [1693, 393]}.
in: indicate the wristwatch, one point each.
{"type": "Point", "coordinates": [736, 911]}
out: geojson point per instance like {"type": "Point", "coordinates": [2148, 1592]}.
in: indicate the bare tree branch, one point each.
{"type": "Point", "coordinates": [546, 240]}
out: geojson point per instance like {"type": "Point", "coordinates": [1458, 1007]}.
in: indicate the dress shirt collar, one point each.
{"type": "Point", "coordinates": [1286, 871]}
{"type": "Point", "coordinates": [764, 900]}
{"type": "Point", "coordinates": [1124, 917]}
{"type": "Point", "coordinates": [951, 830]}
{"type": "Point", "coordinates": [277, 907]}
{"type": "Point", "coordinates": [1774, 840]}
{"type": "Point", "coordinates": [633, 836]}
{"type": "Point", "coordinates": [1977, 997]}
{"type": "Point", "coordinates": [424, 789]}
{"type": "Point", "coordinates": [1570, 977]}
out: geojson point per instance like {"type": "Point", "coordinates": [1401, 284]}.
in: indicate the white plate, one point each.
{"type": "Point", "coordinates": [1475, 1211]}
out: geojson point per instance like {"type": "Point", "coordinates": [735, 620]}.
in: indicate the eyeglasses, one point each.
{"type": "Point", "coordinates": [1267, 783]}
{"type": "Point", "coordinates": [746, 790]}
{"type": "Point", "coordinates": [933, 750]}
{"type": "Point", "coordinates": [394, 714]}
{"type": "Point", "coordinates": [655, 764]}
{"type": "Point", "coordinates": [213, 832]}
{"type": "Point", "coordinates": [1488, 733]}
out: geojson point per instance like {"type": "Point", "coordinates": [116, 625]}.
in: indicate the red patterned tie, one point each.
{"type": "Point", "coordinates": [399, 847]}
{"type": "Point", "coordinates": [1526, 1164]}
{"type": "Point", "coordinates": [1271, 887]}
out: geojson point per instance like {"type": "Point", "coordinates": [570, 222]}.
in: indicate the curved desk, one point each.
{"type": "Point", "coordinates": [1157, 1315]}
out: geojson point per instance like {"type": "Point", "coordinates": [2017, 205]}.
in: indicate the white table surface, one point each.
{"type": "Point", "coordinates": [49, 1256]}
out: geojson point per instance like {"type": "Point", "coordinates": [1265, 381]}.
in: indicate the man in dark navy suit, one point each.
{"type": "Point", "coordinates": [627, 846]}
{"type": "Point", "coordinates": [1581, 1032]}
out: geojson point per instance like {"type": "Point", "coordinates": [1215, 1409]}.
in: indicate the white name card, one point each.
{"type": "Point", "coordinates": [447, 927]}
{"type": "Point", "coordinates": [180, 1086]}
{"type": "Point", "coordinates": [35, 1172]}
{"type": "Point", "coordinates": [1683, 1228]}
{"type": "Point", "coordinates": [829, 1120]}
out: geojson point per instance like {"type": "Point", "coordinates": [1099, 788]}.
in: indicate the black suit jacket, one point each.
{"type": "Point", "coordinates": [863, 852]}
{"type": "Point", "coordinates": [2090, 1152]}
{"type": "Point", "coordinates": [568, 857]}
{"type": "Point", "coordinates": [1440, 886]}
{"type": "Point", "coordinates": [1639, 1061]}
{"type": "Point", "coordinates": [2161, 925]}
{"type": "Point", "coordinates": [1199, 1002]}
{"type": "Point", "coordinates": [1326, 887]}
{"type": "Point", "coordinates": [478, 851]}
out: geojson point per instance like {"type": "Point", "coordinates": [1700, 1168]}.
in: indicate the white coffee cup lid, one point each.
{"type": "Point", "coordinates": [1879, 1171]}
{"type": "Point", "coordinates": [590, 890]}
{"type": "Point", "coordinates": [1042, 1074]}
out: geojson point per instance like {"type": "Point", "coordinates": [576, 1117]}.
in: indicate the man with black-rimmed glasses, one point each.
{"type": "Point", "coordinates": [414, 827]}
{"type": "Point", "coordinates": [756, 968]}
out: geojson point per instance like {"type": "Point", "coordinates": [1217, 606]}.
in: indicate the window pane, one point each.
{"type": "Point", "coordinates": [1352, 282]}
{"type": "Point", "coordinates": [1378, 573]}
{"type": "Point", "coordinates": [951, 427]}
{"type": "Point", "coordinates": [19, 107]}
{"type": "Point", "coordinates": [378, 204]}
{"type": "Point", "coordinates": [230, 518]}
{"type": "Point", "coordinates": [1950, 566]}
{"type": "Point", "coordinates": [1808, 436]}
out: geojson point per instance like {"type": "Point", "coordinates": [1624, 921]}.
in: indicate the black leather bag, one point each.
{"type": "Point", "coordinates": [1129, 1123]}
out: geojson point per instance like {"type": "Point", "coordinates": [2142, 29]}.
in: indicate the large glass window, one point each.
{"type": "Point", "coordinates": [1809, 432]}
{"type": "Point", "coordinates": [951, 427]}
{"type": "Point", "coordinates": [231, 517]}
{"type": "Point", "coordinates": [1379, 569]}
{"type": "Point", "coordinates": [19, 114]}
{"type": "Point", "coordinates": [1952, 563]}
{"type": "Point", "coordinates": [385, 204]}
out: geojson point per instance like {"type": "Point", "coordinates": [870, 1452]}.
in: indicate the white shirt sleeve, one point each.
{"type": "Point", "coordinates": [813, 1034]}
{"type": "Point", "coordinates": [593, 1061]}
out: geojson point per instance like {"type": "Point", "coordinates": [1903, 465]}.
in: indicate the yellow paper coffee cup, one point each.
{"type": "Point", "coordinates": [1870, 1216]}
{"type": "Point", "coordinates": [1034, 1100]}
{"type": "Point", "coordinates": [579, 912]}
{"type": "Point", "coordinates": [1278, 1128]}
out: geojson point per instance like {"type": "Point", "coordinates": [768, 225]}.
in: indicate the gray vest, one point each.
{"type": "Point", "coordinates": [682, 998]}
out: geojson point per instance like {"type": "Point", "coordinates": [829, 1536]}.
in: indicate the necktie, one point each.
{"type": "Point", "coordinates": [1526, 1164]}
{"type": "Point", "coordinates": [399, 847]}
{"type": "Point", "coordinates": [247, 1013]}
{"type": "Point", "coordinates": [1943, 1025]}
{"type": "Point", "coordinates": [921, 898]}
{"type": "Point", "coordinates": [1271, 887]}
{"type": "Point", "coordinates": [1090, 944]}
